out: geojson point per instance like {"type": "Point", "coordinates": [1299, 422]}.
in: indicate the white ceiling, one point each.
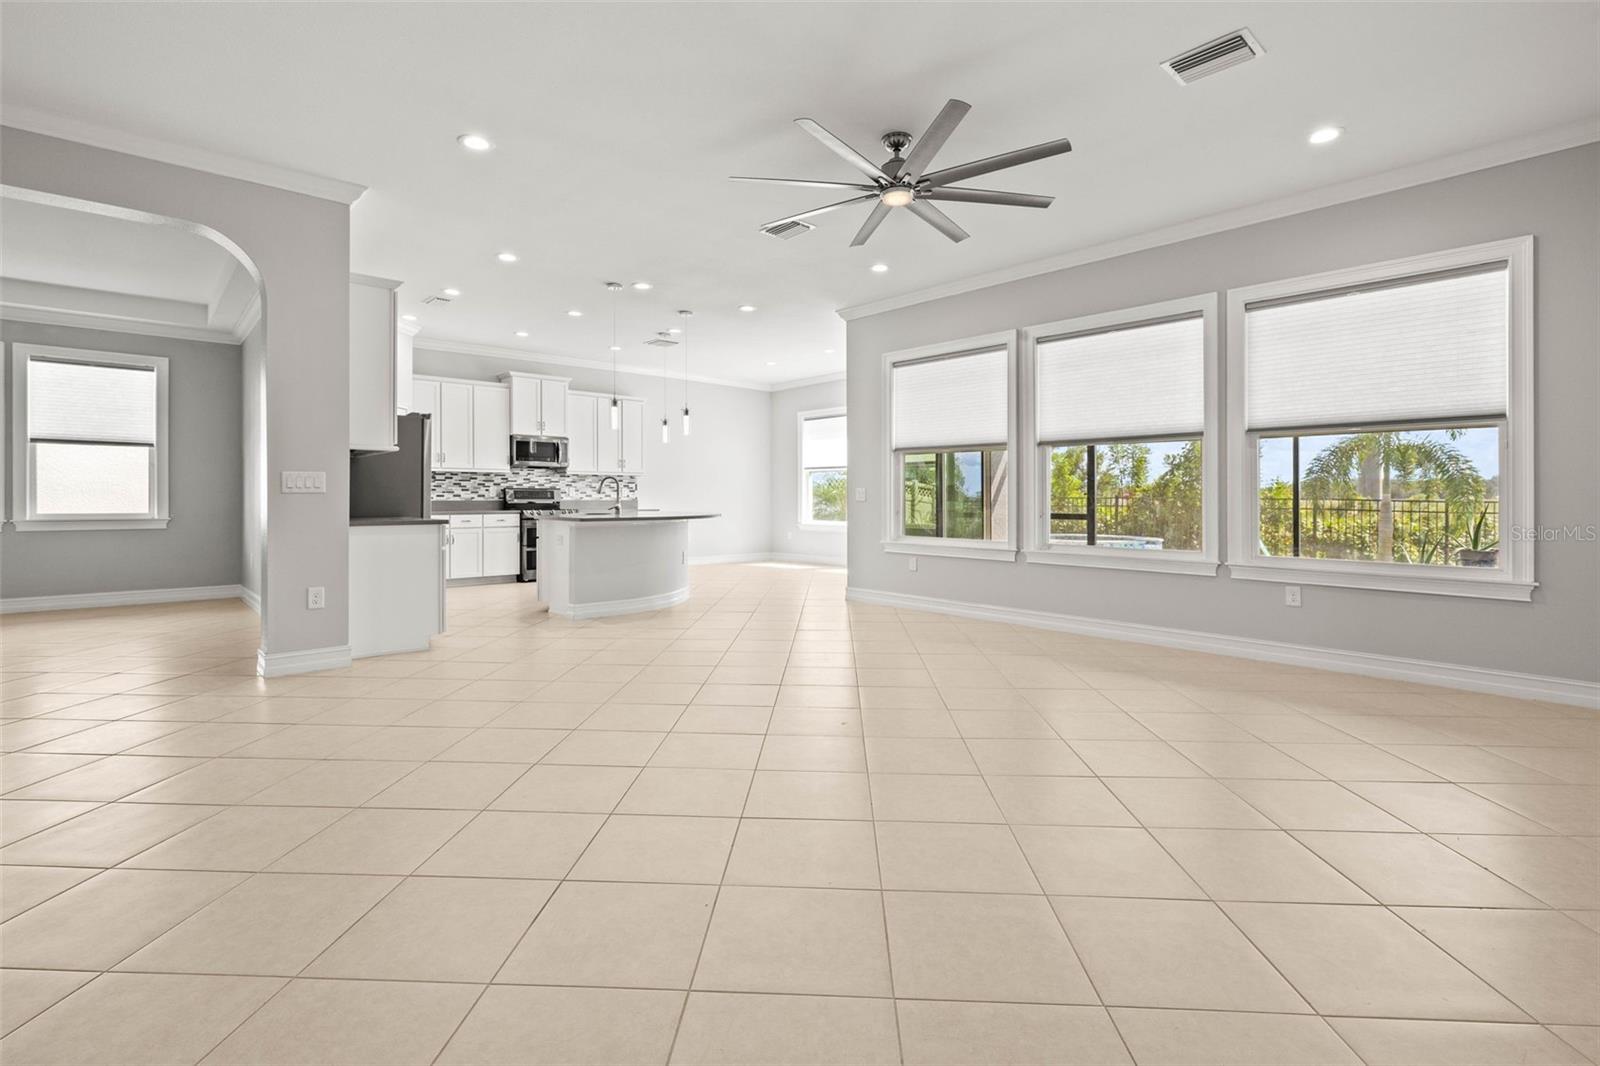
{"type": "Point", "coordinates": [60, 260]}
{"type": "Point", "coordinates": [617, 125]}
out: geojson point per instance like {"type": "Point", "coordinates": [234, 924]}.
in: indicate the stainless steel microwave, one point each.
{"type": "Point", "coordinates": [545, 452]}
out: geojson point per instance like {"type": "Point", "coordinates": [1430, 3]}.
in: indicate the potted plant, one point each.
{"type": "Point", "coordinates": [1481, 548]}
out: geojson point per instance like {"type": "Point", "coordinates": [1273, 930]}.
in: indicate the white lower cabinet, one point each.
{"type": "Point", "coordinates": [397, 575]}
{"type": "Point", "coordinates": [485, 545]}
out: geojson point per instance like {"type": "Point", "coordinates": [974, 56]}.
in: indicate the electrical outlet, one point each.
{"type": "Point", "coordinates": [316, 598]}
{"type": "Point", "coordinates": [861, 495]}
{"type": "Point", "coordinates": [1291, 595]}
{"type": "Point", "coordinates": [911, 564]}
{"type": "Point", "coordinates": [305, 481]}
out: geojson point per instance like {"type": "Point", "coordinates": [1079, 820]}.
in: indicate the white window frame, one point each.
{"type": "Point", "coordinates": [1514, 578]}
{"type": "Point", "coordinates": [1038, 547]}
{"type": "Point", "coordinates": [804, 514]}
{"type": "Point", "coordinates": [23, 517]}
{"type": "Point", "coordinates": [893, 539]}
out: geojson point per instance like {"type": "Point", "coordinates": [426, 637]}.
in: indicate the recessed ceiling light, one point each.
{"type": "Point", "coordinates": [522, 333]}
{"type": "Point", "coordinates": [643, 286]}
{"type": "Point", "coordinates": [616, 347]}
{"type": "Point", "coordinates": [827, 351]}
{"type": "Point", "coordinates": [475, 142]}
{"type": "Point", "coordinates": [747, 307]}
{"type": "Point", "coordinates": [674, 331]}
{"type": "Point", "coordinates": [507, 257]}
{"type": "Point", "coordinates": [771, 363]}
{"type": "Point", "coordinates": [574, 313]}
{"type": "Point", "coordinates": [452, 292]}
{"type": "Point", "coordinates": [408, 318]}
{"type": "Point", "coordinates": [880, 268]}
{"type": "Point", "coordinates": [1326, 134]}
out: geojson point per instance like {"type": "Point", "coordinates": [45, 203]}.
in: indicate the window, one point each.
{"type": "Point", "coordinates": [90, 439]}
{"type": "Point", "coordinates": [1382, 425]}
{"type": "Point", "coordinates": [949, 412]}
{"type": "Point", "coordinates": [824, 486]}
{"type": "Point", "coordinates": [1123, 468]}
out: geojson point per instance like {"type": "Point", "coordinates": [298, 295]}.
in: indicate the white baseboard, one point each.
{"type": "Point", "coordinates": [1422, 671]}
{"type": "Point", "coordinates": [638, 605]}
{"type": "Point", "coordinates": [130, 598]}
{"type": "Point", "coordinates": [765, 557]}
{"type": "Point", "coordinates": [251, 598]}
{"type": "Point", "coordinates": [284, 663]}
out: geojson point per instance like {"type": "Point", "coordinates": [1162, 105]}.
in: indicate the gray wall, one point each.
{"type": "Point", "coordinates": [1555, 197]}
{"type": "Point", "coordinates": [724, 466]}
{"type": "Point", "coordinates": [789, 537]}
{"type": "Point", "coordinates": [253, 430]}
{"type": "Point", "coordinates": [298, 249]}
{"type": "Point", "coordinates": [201, 545]}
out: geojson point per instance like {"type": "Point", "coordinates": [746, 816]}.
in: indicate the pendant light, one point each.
{"type": "Point", "coordinates": [616, 409]}
{"type": "Point", "coordinates": [666, 434]}
{"type": "Point", "coordinates": [685, 315]}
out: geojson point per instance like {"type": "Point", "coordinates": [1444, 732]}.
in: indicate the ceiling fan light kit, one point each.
{"type": "Point", "coordinates": [904, 180]}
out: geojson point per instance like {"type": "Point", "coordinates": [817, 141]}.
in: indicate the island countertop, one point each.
{"type": "Point", "coordinates": [627, 516]}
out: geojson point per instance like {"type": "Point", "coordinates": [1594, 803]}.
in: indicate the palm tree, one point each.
{"type": "Point", "coordinates": [1370, 464]}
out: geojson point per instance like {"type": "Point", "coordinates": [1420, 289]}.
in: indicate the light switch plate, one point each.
{"type": "Point", "coordinates": [861, 495]}
{"type": "Point", "coordinates": [911, 563]}
{"type": "Point", "coordinates": [305, 481]}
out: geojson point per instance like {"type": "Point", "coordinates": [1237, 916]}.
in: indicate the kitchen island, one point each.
{"type": "Point", "coordinates": [595, 564]}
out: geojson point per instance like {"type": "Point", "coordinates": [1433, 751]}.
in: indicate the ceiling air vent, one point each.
{"type": "Point", "coordinates": [663, 339]}
{"type": "Point", "coordinates": [1213, 57]}
{"type": "Point", "coordinates": [437, 299]}
{"type": "Point", "coordinates": [788, 230]}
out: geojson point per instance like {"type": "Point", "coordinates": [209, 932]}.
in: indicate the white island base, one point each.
{"type": "Point", "coordinates": [594, 566]}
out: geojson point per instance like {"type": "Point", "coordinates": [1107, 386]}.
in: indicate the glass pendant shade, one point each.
{"type": "Point", "coordinates": [616, 414]}
{"type": "Point", "coordinates": [666, 436]}
{"type": "Point", "coordinates": [685, 421]}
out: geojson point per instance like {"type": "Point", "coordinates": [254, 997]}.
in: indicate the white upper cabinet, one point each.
{"type": "Point", "coordinates": [491, 427]}
{"type": "Point", "coordinates": [374, 388]}
{"type": "Point", "coordinates": [608, 450]}
{"type": "Point", "coordinates": [632, 437]}
{"type": "Point", "coordinates": [452, 429]}
{"type": "Point", "coordinates": [538, 405]}
{"type": "Point", "coordinates": [582, 422]}
{"type": "Point", "coordinates": [405, 336]}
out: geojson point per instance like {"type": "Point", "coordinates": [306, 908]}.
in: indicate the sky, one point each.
{"type": "Point", "coordinates": [1482, 446]}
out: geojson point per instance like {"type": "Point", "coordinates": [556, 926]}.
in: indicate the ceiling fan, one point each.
{"type": "Point", "coordinates": [906, 181]}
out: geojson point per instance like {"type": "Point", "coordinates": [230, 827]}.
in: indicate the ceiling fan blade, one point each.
{"type": "Point", "coordinates": [997, 162]}
{"type": "Point", "coordinates": [807, 184]}
{"type": "Point", "coordinates": [820, 210]}
{"type": "Point", "coordinates": [986, 196]}
{"type": "Point", "coordinates": [938, 220]}
{"type": "Point", "coordinates": [874, 219]}
{"type": "Point", "coordinates": [944, 124]}
{"type": "Point", "coordinates": [842, 150]}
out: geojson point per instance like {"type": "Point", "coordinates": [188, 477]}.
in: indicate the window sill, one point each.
{"type": "Point", "coordinates": [955, 549]}
{"type": "Point", "coordinates": [1152, 561]}
{"type": "Point", "coordinates": [64, 525]}
{"type": "Point", "coordinates": [823, 527]}
{"type": "Point", "coordinates": [1356, 576]}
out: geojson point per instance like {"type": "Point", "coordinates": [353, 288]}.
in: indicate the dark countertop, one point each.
{"type": "Point", "coordinates": [470, 506]}
{"type": "Point", "coordinates": [398, 521]}
{"type": "Point", "coordinates": [628, 516]}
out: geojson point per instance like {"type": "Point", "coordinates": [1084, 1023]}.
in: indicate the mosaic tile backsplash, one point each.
{"type": "Point", "coordinates": [460, 485]}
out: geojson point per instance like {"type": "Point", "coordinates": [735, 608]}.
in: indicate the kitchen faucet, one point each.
{"type": "Point", "coordinates": [618, 484]}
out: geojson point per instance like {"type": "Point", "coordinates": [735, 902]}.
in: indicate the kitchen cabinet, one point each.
{"type": "Point", "coordinates": [405, 338]}
{"type": "Point", "coordinates": [484, 545]}
{"type": "Point", "coordinates": [425, 401]}
{"type": "Point", "coordinates": [583, 421]}
{"type": "Point", "coordinates": [373, 368]}
{"type": "Point", "coordinates": [632, 446]}
{"type": "Point", "coordinates": [491, 427]}
{"type": "Point", "coordinates": [397, 575]}
{"type": "Point", "coordinates": [452, 428]}
{"type": "Point", "coordinates": [538, 405]}
{"type": "Point", "coordinates": [608, 450]}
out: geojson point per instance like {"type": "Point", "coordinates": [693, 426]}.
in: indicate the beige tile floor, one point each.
{"type": "Point", "coordinates": [769, 826]}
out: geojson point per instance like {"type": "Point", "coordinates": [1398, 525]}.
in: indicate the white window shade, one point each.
{"type": "Point", "coordinates": [822, 443]}
{"type": "Point", "coordinates": [1141, 382]}
{"type": "Point", "coordinates": [86, 402]}
{"type": "Point", "coordinates": [1429, 349]}
{"type": "Point", "coordinates": [952, 402]}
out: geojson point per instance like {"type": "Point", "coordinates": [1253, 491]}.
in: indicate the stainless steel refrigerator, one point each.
{"type": "Point", "coordinates": [397, 484]}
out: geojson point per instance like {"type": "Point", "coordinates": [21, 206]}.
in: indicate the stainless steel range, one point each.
{"type": "Point", "coordinates": [531, 502]}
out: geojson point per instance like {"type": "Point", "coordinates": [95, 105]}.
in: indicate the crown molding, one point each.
{"type": "Point", "coordinates": [248, 317]}
{"type": "Point", "coordinates": [183, 155]}
{"type": "Point", "coordinates": [46, 316]}
{"type": "Point", "coordinates": [430, 343]}
{"type": "Point", "coordinates": [800, 383]}
{"type": "Point", "coordinates": [1544, 142]}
